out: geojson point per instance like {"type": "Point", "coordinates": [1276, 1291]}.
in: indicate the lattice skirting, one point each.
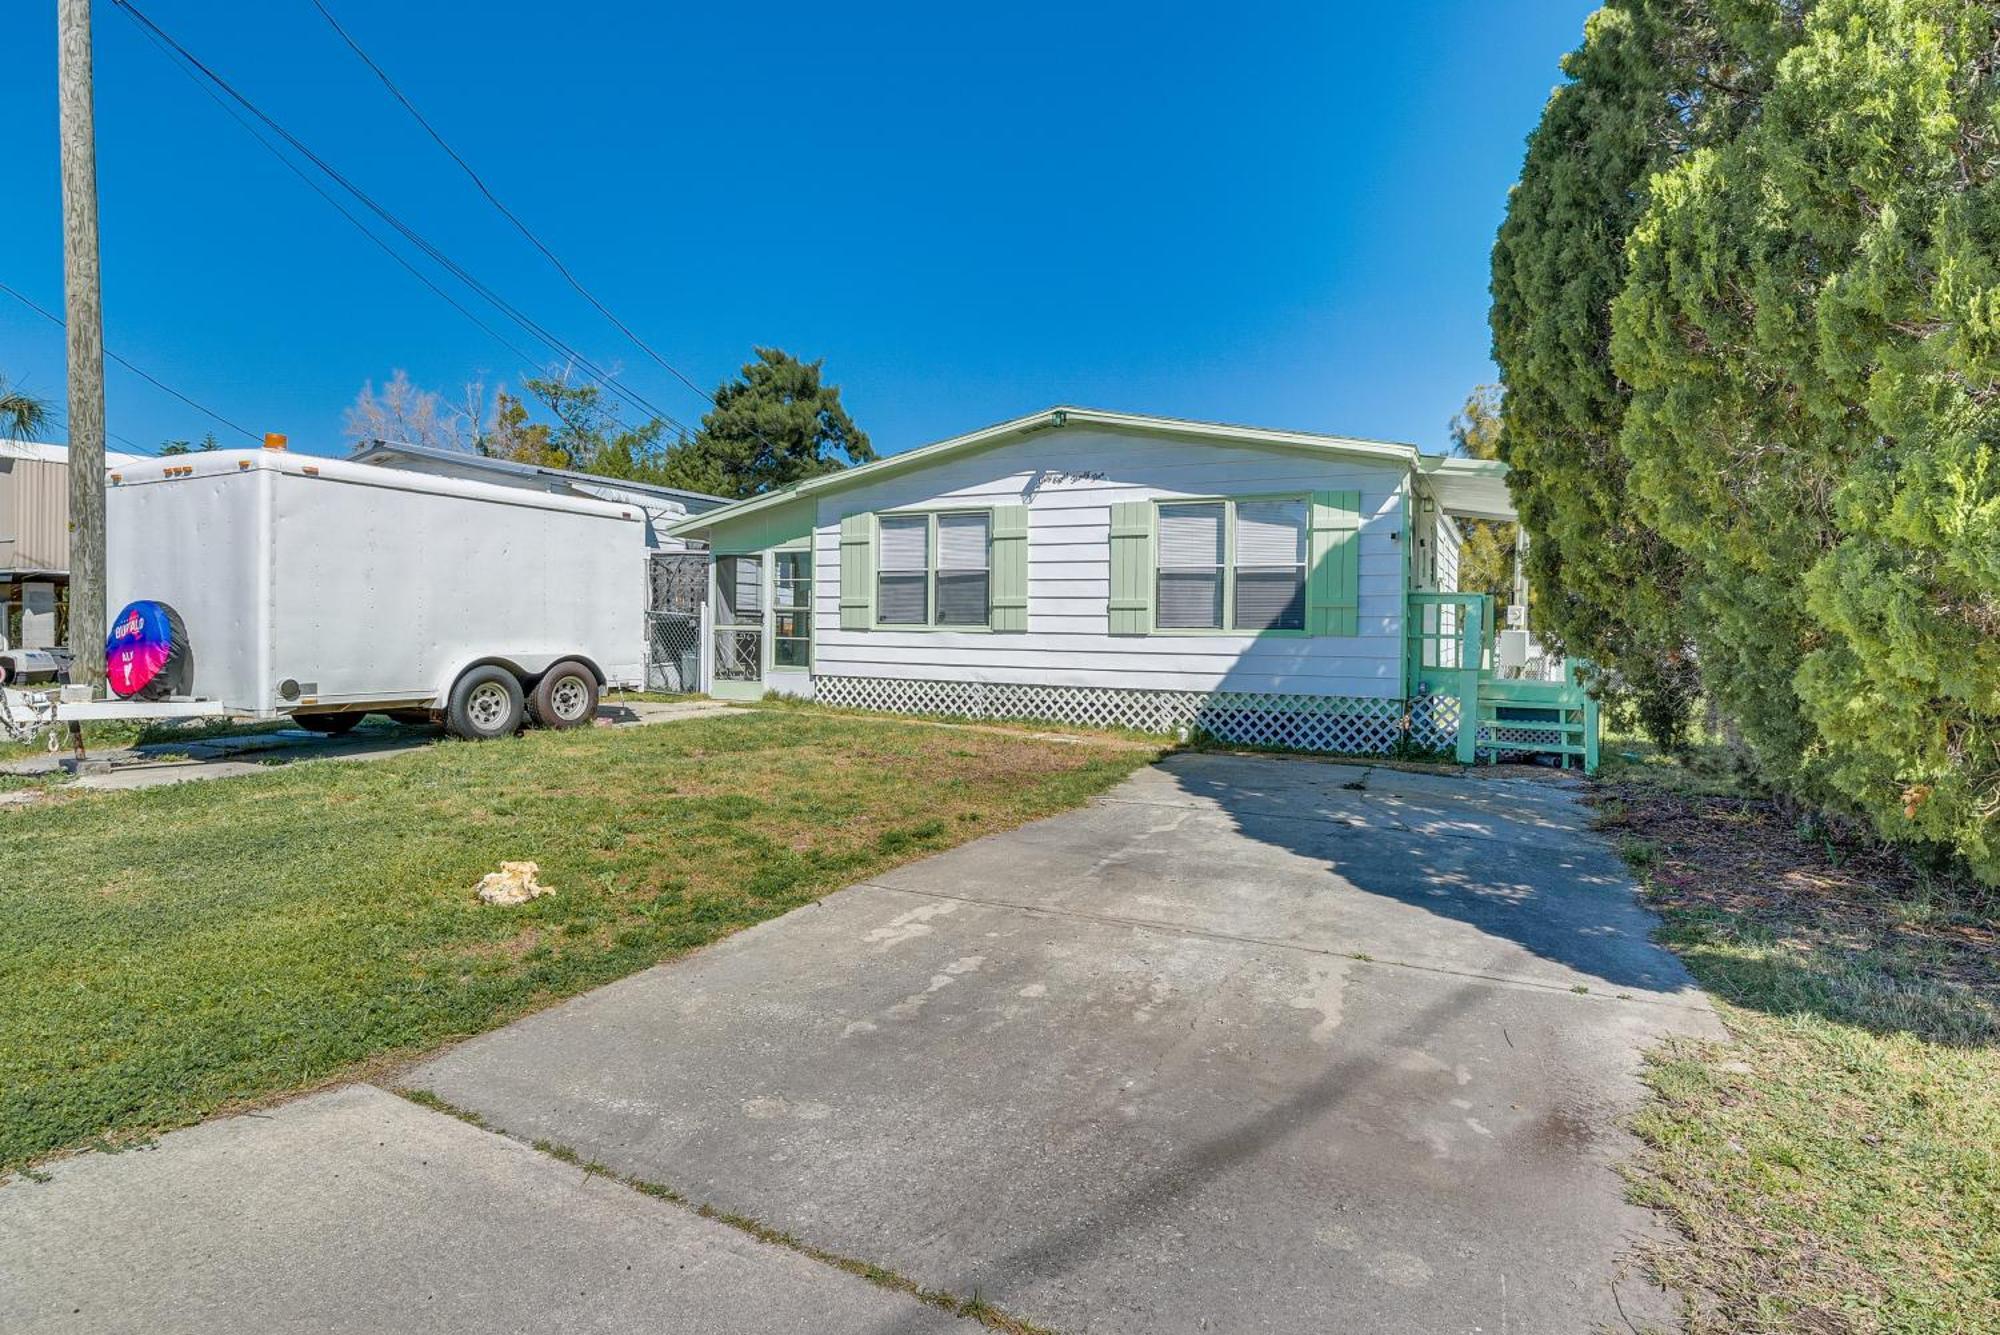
{"type": "Point", "coordinates": [1434, 722]}
{"type": "Point", "coordinates": [1354, 725]}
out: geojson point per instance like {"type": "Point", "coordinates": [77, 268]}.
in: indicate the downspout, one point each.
{"type": "Point", "coordinates": [1403, 619]}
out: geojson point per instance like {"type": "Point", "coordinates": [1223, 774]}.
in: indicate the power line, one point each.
{"type": "Point", "coordinates": [506, 212]}
{"type": "Point", "coordinates": [61, 419]}
{"type": "Point", "coordinates": [562, 349]}
{"type": "Point", "coordinates": [556, 345]}
{"type": "Point", "coordinates": [526, 359]}
{"type": "Point", "coordinates": [148, 377]}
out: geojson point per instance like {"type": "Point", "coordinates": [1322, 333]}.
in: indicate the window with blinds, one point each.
{"type": "Point", "coordinates": [1236, 565]}
{"type": "Point", "coordinates": [902, 584]}
{"type": "Point", "coordinates": [1191, 566]}
{"type": "Point", "coordinates": [1270, 565]}
{"type": "Point", "coordinates": [934, 569]}
{"type": "Point", "coordinates": [963, 578]}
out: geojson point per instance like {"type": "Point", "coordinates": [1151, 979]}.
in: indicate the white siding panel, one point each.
{"type": "Point", "coordinates": [1448, 545]}
{"type": "Point", "coordinates": [1069, 479]}
{"type": "Point", "coordinates": [1170, 678]}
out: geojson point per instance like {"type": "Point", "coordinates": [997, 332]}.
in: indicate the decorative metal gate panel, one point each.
{"type": "Point", "coordinates": [739, 653]}
{"type": "Point", "coordinates": [678, 583]}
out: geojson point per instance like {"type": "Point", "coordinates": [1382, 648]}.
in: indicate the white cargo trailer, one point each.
{"type": "Point", "coordinates": [324, 590]}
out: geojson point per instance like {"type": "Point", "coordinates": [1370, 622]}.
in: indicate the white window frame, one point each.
{"type": "Point", "coordinates": [802, 609]}
{"type": "Point", "coordinates": [933, 554]}
{"type": "Point", "coordinates": [1228, 624]}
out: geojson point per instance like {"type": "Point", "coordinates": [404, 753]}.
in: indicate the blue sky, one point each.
{"type": "Point", "coordinates": [1277, 214]}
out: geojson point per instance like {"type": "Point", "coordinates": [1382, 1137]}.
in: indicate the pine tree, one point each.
{"type": "Point", "coordinates": [777, 423]}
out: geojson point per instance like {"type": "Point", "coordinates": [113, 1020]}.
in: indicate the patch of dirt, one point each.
{"type": "Point", "coordinates": [1747, 858]}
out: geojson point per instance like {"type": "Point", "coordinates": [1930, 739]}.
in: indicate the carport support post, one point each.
{"type": "Point", "coordinates": [705, 641]}
{"type": "Point", "coordinates": [1471, 652]}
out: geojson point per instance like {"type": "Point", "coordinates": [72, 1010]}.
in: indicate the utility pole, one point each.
{"type": "Point", "coordinates": [83, 310]}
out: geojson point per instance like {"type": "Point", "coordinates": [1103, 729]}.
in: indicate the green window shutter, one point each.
{"type": "Point", "coordinates": [1131, 568]}
{"type": "Point", "coordinates": [857, 572]}
{"type": "Point", "coordinates": [1333, 588]}
{"type": "Point", "coordinates": [1010, 567]}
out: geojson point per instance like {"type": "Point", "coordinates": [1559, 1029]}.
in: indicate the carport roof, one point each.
{"type": "Point", "coordinates": [1473, 488]}
{"type": "Point", "coordinates": [1476, 483]}
{"type": "Point", "coordinates": [386, 452]}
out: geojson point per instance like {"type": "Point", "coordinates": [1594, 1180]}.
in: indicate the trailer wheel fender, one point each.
{"type": "Point", "coordinates": [447, 683]}
{"type": "Point", "coordinates": [574, 660]}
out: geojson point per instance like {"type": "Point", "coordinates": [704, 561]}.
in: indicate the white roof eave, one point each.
{"type": "Point", "coordinates": [1470, 488]}
{"type": "Point", "coordinates": [1051, 419]}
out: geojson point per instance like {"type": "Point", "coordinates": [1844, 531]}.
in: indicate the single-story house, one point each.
{"type": "Point", "coordinates": [34, 541]}
{"type": "Point", "coordinates": [1265, 587]}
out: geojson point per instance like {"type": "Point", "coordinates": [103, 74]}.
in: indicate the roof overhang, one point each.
{"type": "Point", "coordinates": [1469, 488]}
{"type": "Point", "coordinates": [1055, 419]}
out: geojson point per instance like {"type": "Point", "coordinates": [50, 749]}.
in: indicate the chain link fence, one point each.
{"type": "Point", "coordinates": [679, 586]}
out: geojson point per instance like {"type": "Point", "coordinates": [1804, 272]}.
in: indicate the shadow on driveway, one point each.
{"type": "Point", "coordinates": [1240, 1046]}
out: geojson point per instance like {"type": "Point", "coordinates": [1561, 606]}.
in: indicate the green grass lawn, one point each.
{"type": "Point", "coordinates": [1836, 1167]}
{"type": "Point", "coordinates": [175, 951]}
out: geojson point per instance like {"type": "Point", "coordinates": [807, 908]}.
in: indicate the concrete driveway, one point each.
{"type": "Point", "coordinates": [1247, 1045]}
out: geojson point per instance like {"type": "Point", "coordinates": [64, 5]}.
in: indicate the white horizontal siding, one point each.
{"type": "Point", "coordinates": [1067, 643]}
{"type": "Point", "coordinates": [1447, 555]}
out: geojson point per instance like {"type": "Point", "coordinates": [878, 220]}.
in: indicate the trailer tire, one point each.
{"type": "Point", "coordinates": [485, 704]}
{"type": "Point", "coordinates": [329, 725]}
{"type": "Point", "coordinates": [565, 697]}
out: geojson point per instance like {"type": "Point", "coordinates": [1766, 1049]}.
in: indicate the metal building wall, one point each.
{"type": "Point", "coordinates": [34, 515]}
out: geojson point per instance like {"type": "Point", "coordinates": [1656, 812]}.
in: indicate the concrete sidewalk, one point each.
{"type": "Point", "coordinates": [358, 1211]}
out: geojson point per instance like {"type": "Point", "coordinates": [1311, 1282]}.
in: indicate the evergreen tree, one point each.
{"type": "Point", "coordinates": [776, 424]}
{"type": "Point", "coordinates": [207, 444]}
{"type": "Point", "coordinates": [1751, 391]}
{"type": "Point", "coordinates": [1652, 79]}
{"type": "Point", "coordinates": [1808, 324]}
